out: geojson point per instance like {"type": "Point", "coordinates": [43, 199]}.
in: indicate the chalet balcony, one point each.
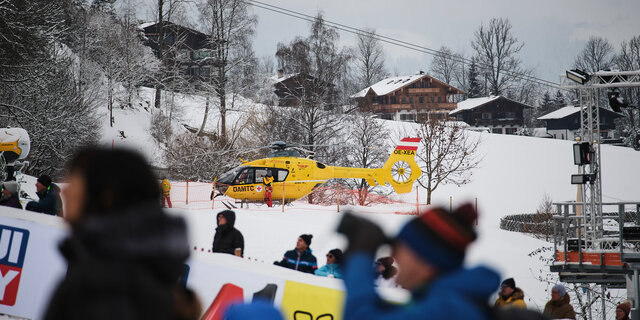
{"type": "Point", "coordinates": [424, 90]}
{"type": "Point", "coordinates": [391, 108]}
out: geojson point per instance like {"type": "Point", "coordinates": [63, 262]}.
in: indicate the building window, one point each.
{"type": "Point", "coordinates": [496, 130]}
{"type": "Point", "coordinates": [393, 100]}
{"type": "Point", "coordinates": [432, 99]}
{"type": "Point", "coordinates": [421, 99]}
{"type": "Point", "coordinates": [404, 100]}
{"type": "Point", "coordinates": [510, 130]}
{"type": "Point", "coordinates": [410, 99]}
{"type": "Point", "coordinates": [486, 116]}
{"type": "Point", "coordinates": [510, 115]}
{"type": "Point", "coordinates": [439, 99]}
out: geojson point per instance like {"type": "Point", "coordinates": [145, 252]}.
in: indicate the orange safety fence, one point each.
{"type": "Point", "coordinates": [193, 195]}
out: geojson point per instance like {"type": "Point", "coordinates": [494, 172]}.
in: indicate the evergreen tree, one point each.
{"type": "Point", "coordinates": [474, 90]}
{"type": "Point", "coordinates": [558, 100]}
{"type": "Point", "coordinates": [546, 101]}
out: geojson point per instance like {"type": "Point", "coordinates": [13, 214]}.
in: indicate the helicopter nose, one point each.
{"type": "Point", "coordinates": [222, 188]}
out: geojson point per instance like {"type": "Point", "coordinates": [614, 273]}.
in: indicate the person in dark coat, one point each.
{"type": "Point", "coordinates": [227, 238]}
{"type": "Point", "coordinates": [10, 196]}
{"type": "Point", "coordinates": [429, 251]}
{"type": "Point", "coordinates": [300, 258]}
{"type": "Point", "coordinates": [559, 307]}
{"type": "Point", "coordinates": [49, 195]}
{"type": "Point", "coordinates": [125, 255]}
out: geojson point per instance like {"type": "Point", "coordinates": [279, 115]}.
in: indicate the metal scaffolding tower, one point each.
{"type": "Point", "coordinates": [585, 246]}
{"type": "Point", "coordinates": [590, 96]}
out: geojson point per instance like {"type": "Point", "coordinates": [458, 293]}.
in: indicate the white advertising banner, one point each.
{"type": "Point", "coordinates": [30, 263]}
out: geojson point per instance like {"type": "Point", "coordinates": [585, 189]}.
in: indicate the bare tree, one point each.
{"type": "Point", "coordinates": [496, 51]}
{"type": "Point", "coordinates": [597, 54]}
{"type": "Point", "coordinates": [369, 59]}
{"type": "Point", "coordinates": [629, 59]}
{"type": "Point", "coordinates": [448, 155]}
{"type": "Point", "coordinates": [229, 25]}
{"type": "Point", "coordinates": [446, 64]}
{"type": "Point", "coordinates": [366, 148]}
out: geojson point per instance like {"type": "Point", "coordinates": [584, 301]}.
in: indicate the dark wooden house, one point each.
{"type": "Point", "coordinates": [294, 89]}
{"type": "Point", "coordinates": [185, 49]}
{"type": "Point", "coordinates": [409, 98]}
{"type": "Point", "coordinates": [496, 113]}
{"type": "Point", "coordinates": [564, 123]}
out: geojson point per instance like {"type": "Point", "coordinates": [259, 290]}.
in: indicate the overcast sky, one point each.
{"type": "Point", "coordinates": [553, 31]}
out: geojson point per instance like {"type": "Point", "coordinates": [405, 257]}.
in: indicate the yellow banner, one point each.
{"type": "Point", "coordinates": [302, 301]}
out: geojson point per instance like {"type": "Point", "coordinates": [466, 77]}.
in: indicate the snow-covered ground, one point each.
{"type": "Point", "coordinates": [513, 176]}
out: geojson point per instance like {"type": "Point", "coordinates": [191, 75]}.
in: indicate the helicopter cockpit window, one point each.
{"type": "Point", "coordinates": [246, 176]}
{"type": "Point", "coordinates": [227, 178]}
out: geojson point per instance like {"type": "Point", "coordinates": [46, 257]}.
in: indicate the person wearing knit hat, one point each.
{"type": "Point", "coordinates": [300, 258]}
{"type": "Point", "coordinates": [510, 295]}
{"type": "Point", "coordinates": [49, 197]}
{"type": "Point", "coordinates": [9, 195]}
{"type": "Point", "coordinates": [622, 310]}
{"type": "Point", "coordinates": [429, 251]}
{"type": "Point", "coordinates": [559, 307]}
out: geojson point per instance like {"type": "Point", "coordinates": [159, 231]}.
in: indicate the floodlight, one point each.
{"type": "Point", "coordinates": [578, 76]}
{"type": "Point", "coordinates": [581, 153]}
{"type": "Point", "coordinates": [582, 178]}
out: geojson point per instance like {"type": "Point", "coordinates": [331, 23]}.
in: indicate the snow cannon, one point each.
{"type": "Point", "coordinates": [14, 146]}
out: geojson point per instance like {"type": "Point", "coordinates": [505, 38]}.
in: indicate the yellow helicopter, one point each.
{"type": "Point", "coordinates": [295, 176]}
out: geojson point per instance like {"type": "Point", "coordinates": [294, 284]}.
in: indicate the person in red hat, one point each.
{"type": "Point", "coordinates": [429, 251]}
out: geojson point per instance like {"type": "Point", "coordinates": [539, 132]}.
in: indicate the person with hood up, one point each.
{"type": "Point", "coordinates": [10, 196]}
{"type": "Point", "coordinates": [125, 255]}
{"type": "Point", "coordinates": [559, 307]}
{"type": "Point", "coordinates": [49, 195]}
{"type": "Point", "coordinates": [227, 238]}
{"type": "Point", "coordinates": [332, 269]}
{"type": "Point", "coordinates": [622, 310]}
{"type": "Point", "coordinates": [300, 258]}
{"type": "Point", "coordinates": [510, 295]}
{"type": "Point", "coordinates": [429, 251]}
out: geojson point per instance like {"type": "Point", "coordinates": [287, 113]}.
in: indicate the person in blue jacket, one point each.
{"type": "Point", "coordinates": [429, 251]}
{"type": "Point", "coordinates": [300, 258]}
{"type": "Point", "coordinates": [332, 269]}
{"type": "Point", "coordinates": [49, 195]}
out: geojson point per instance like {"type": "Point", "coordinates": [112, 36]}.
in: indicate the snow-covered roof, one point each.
{"type": "Point", "coordinates": [560, 113]}
{"type": "Point", "coordinates": [472, 103]}
{"type": "Point", "coordinates": [388, 85]}
{"type": "Point", "coordinates": [146, 24]}
{"type": "Point", "coordinates": [277, 79]}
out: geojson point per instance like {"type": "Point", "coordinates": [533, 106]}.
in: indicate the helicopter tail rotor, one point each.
{"type": "Point", "coordinates": [401, 169]}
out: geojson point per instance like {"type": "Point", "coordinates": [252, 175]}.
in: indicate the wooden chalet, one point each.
{"type": "Point", "coordinates": [408, 98]}
{"type": "Point", "coordinates": [294, 89]}
{"type": "Point", "coordinates": [497, 114]}
{"type": "Point", "coordinates": [564, 123]}
{"type": "Point", "coordinates": [183, 47]}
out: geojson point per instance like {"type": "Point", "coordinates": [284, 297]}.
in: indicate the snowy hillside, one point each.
{"type": "Point", "coordinates": [513, 176]}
